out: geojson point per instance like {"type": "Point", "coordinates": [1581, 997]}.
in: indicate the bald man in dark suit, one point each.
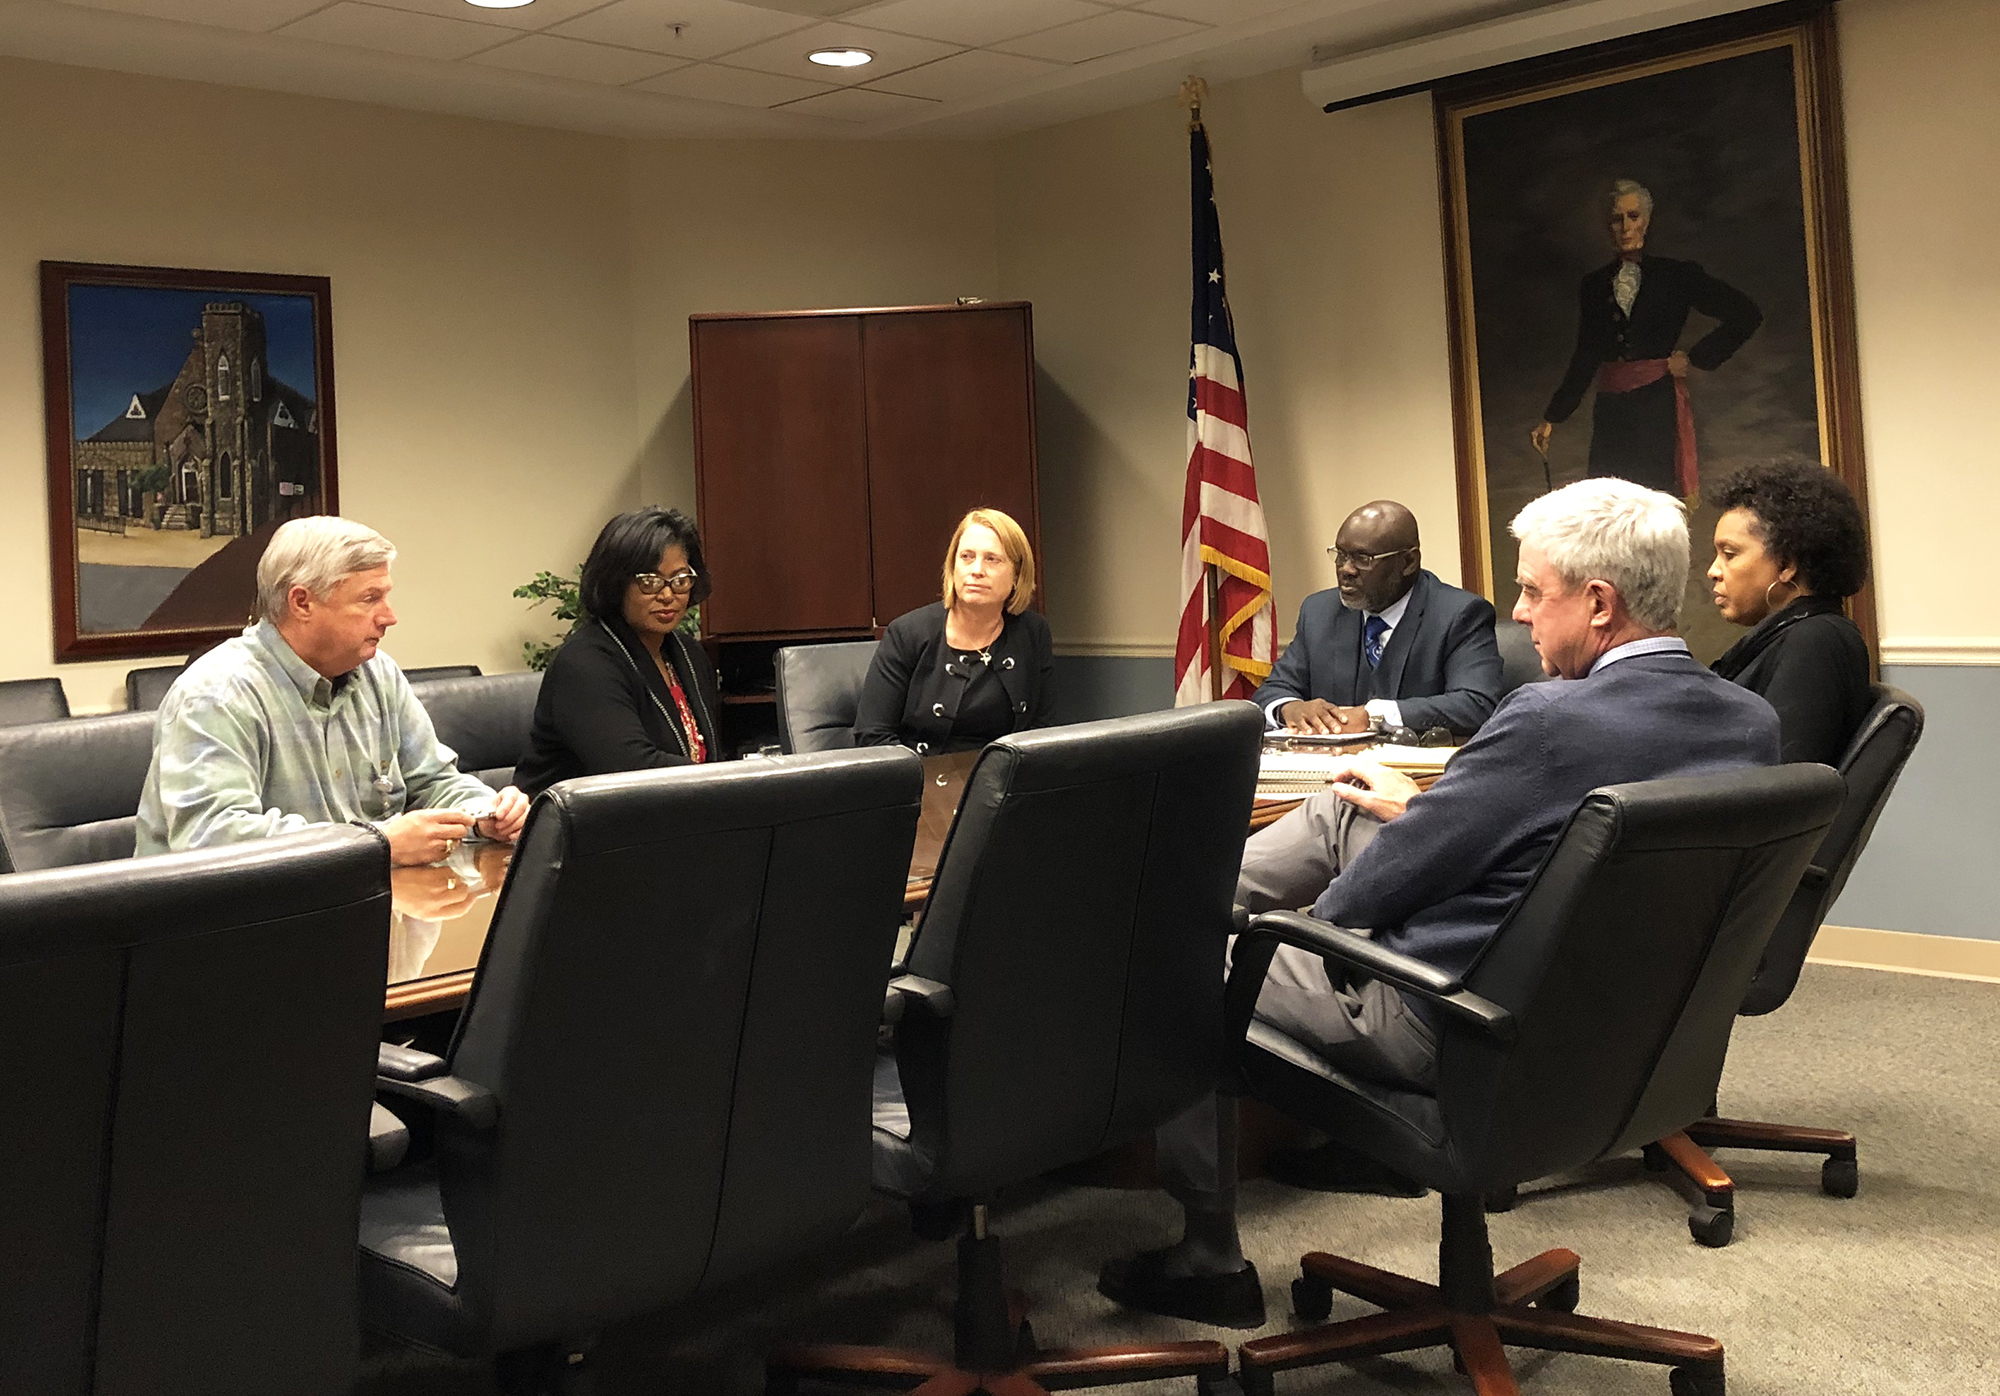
{"type": "Point", "coordinates": [1391, 641]}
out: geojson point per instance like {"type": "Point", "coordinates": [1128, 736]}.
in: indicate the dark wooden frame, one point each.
{"type": "Point", "coordinates": [1808, 25]}
{"type": "Point", "coordinates": [57, 279]}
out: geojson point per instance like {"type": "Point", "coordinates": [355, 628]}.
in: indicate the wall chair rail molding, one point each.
{"type": "Point", "coordinates": [1981, 651]}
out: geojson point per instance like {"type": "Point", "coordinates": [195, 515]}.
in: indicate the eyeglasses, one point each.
{"type": "Point", "coordinates": [652, 583]}
{"type": "Point", "coordinates": [1409, 736]}
{"type": "Point", "coordinates": [1362, 561]}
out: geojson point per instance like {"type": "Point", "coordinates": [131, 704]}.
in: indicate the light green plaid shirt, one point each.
{"type": "Point", "coordinates": [252, 741]}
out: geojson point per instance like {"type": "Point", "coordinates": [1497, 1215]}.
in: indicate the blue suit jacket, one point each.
{"type": "Point", "coordinates": [1442, 664]}
{"type": "Point", "coordinates": [1439, 879]}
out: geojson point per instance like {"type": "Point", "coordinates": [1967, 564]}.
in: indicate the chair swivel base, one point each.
{"type": "Point", "coordinates": [1531, 1306]}
{"type": "Point", "coordinates": [1687, 1153]}
{"type": "Point", "coordinates": [1035, 1373]}
{"type": "Point", "coordinates": [996, 1350]}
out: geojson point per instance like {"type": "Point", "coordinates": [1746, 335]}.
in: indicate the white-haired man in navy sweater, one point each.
{"type": "Point", "coordinates": [1432, 874]}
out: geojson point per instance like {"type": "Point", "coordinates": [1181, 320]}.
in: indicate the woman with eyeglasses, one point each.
{"type": "Point", "coordinates": [628, 691]}
{"type": "Point", "coordinates": [1790, 547]}
{"type": "Point", "coordinates": [968, 668]}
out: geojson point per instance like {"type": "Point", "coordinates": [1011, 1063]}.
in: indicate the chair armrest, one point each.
{"type": "Point", "coordinates": [408, 1074]}
{"type": "Point", "coordinates": [1412, 976]}
{"type": "Point", "coordinates": [406, 1063]}
{"type": "Point", "coordinates": [908, 991]}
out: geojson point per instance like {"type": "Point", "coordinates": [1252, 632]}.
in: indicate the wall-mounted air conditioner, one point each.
{"type": "Point", "coordinates": [1415, 63]}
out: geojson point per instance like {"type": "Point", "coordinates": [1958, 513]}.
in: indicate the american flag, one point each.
{"type": "Point", "coordinates": [1222, 522]}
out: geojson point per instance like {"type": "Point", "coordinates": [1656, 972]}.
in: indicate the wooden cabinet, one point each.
{"type": "Point", "coordinates": [834, 451]}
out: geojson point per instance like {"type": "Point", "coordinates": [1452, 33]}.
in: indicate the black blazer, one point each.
{"type": "Point", "coordinates": [1811, 664]}
{"type": "Point", "coordinates": [604, 707]}
{"type": "Point", "coordinates": [912, 690]}
{"type": "Point", "coordinates": [1668, 291]}
{"type": "Point", "coordinates": [1441, 666]}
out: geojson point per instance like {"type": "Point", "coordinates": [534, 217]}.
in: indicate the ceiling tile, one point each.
{"type": "Point", "coordinates": [856, 104]}
{"type": "Point", "coordinates": [711, 82]}
{"type": "Point", "coordinates": [540, 15]}
{"type": "Point", "coordinates": [1094, 38]}
{"type": "Point", "coordinates": [711, 27]}
{"type": "Point", "coordinates": [893, 52]}
{"type": "Point", "coordinates": [256, 16]}
{"type": "Point", "coordinates": [965, 75]}
{"type": "Point", "coordinates": [572, 58]}
{"type": "Point", "coordinates": [977, 21]}
{"type": "Point", "coordinates": [396, 31]}
{"type": "Point", "coordinates": [1216, 11]}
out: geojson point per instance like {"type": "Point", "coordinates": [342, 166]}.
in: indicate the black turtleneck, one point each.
{"type": "Point", "coordinates": [1810, 663]}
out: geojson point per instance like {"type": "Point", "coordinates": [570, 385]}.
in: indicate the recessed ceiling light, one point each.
{"type": "Point", "coordinates": [500, 4]}
{"type": "Point", "coordinates": [840, 57]}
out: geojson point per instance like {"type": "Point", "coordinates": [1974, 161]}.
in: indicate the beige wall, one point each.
{"type": "Point", "coordinates": [1335, 278]}
{"type": "Point", "coordinates": [1336, 283]}
{"type": "Point", "coordinates": [510, 305]}
{"type": "Point", "coordinates": [480, 315]}
{"type": "Point", "coordinates": [1923, 130]}
{"type": "Point", "coordinates": [769, 225]}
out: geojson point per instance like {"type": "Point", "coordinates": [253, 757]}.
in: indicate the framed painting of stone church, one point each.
{"type": "Point", "coordinates": [1649, 276]}
{"type": "Point", "coordinates": [189, 414]}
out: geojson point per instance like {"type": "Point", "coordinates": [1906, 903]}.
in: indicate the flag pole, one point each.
{"type": "Point", "coordinates": [1193, 90]}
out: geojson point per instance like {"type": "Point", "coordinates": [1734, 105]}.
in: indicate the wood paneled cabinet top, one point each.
{"type": "Point", "coordinates": [836, 449]}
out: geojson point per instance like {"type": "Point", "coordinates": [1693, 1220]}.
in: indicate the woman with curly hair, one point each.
{"type": "Point", "coordinates": [1790, 548]}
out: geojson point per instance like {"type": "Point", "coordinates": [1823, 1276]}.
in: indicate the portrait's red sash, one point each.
{"type": "Point", "coordinates": [1624, 375]}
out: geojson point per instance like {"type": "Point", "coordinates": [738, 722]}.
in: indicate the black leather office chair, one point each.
{"type": "Point", "coordinates": [483, 718]}
{"type": "Point", "coordinates": [442, 671]}
{"type": "Point", "coordinates": [189, 1044]}
{"type": "Point", "coordinates": [146, 688]}
{"type": "Point", "coordinates": [32, 700]}
{"type": "Point", "coordinates": [69, 790]}
{"type": "Point", "coordinates": [1594, 1021]}
{"type": "Point", "coordinates": [1873, 762]}
{"type": "Point", "coordinates": [661, 1081]}
{"type": "Point", "coordinates": [1064, 996]}
{"type": "Point", "coordinates": [819, 687]}
{"type": "Point", "coordinates": [1519, 663]}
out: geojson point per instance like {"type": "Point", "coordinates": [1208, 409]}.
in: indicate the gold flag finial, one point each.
{"type": "Point", "coordinates": [1193, 91]}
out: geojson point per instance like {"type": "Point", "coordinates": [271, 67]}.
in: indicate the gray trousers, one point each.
{"type": "Point", "coordinates": [1358, 1025]}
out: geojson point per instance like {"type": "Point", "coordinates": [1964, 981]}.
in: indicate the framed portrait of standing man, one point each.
{"type": "Point", "coordinates": [1649, 277]}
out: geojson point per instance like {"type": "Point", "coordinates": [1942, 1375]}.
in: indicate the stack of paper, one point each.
{"type": "Point", "coordinates": [1286, 775]}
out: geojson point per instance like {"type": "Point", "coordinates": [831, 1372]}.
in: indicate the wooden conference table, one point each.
{"type": "Point", "coordinates": [442, 912]}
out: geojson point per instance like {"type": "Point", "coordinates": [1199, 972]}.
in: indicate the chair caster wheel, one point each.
{"type": "Point", "coordinates": [1312, 1299]}
{"type": "Point", "coordinates": [1840, 1177]}
{"type": "Point", "coordinates": [1655, 1158]}
{"type": "Point", "coordinates": [1713, 1227]}
{"type": "Point", "coordinates": [1697, 1381]}
{"type": "Point", "coordinates": [1564, 1297]}
{"type": "Point", "coordinates": [1502, 1199]}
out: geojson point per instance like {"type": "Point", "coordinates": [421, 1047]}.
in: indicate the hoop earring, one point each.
{"type": "Point", "coordinates": [1768, 603]}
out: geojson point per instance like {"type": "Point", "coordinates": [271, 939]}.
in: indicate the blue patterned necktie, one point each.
{"type": "Point", "coordinates": [1377, 635]}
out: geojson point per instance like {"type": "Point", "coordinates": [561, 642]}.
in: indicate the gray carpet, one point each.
{"type": "Point", "coordinates": [1895, 1291]}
